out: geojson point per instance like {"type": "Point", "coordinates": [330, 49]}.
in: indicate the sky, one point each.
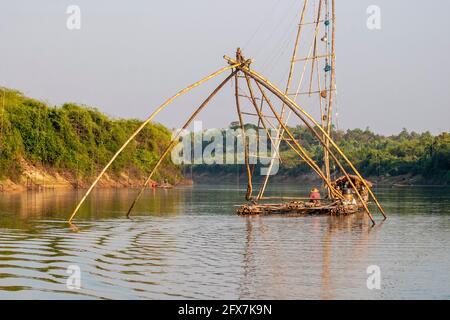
{"type": "Point", "coordinates": [130, 56]}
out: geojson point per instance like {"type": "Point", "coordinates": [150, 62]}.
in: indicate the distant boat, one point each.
{"type": "Point", "coordinates": [165, 185]}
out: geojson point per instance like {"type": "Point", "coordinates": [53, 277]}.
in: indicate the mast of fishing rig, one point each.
{"type": "Point", "coordinates": [332, 69]}
{"type": "Point", "coordinates": [326, 90]}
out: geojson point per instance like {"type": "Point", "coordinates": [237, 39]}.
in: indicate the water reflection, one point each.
{"type": "Point", "coordinates": [187, 243]}
{"type": "Point", "coordinates": [285, 254]}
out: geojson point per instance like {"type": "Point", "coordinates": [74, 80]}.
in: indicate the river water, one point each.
{"type": "Point", "coordinates": [188, 243]}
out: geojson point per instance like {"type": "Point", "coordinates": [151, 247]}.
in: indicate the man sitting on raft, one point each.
{"type": "Point", "coordinates": [349, 199]}
{"type": "Point", "coordinates": [315, 197]}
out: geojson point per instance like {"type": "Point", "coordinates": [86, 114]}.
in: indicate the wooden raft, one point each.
{"type": "Point", "coordinates": [297, 207]}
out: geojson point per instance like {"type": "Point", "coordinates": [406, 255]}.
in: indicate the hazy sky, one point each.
{"type": "Point", "coordinates": [129, 56]}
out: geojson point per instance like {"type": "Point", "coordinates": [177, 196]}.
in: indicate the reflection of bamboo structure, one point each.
{"type": "Point", "coordinates": [242, 66]}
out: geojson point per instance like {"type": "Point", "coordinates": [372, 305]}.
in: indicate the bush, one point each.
{"type": "Point", "coordinates": [73, 138]}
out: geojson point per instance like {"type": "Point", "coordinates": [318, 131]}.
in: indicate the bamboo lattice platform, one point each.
{"type": "Point", "coordinates": [297, 207]}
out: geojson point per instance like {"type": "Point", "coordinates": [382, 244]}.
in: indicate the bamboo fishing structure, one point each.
{"type": "Point", "coordinates": [332, 189]}
{"type": "Point", "coordinates": [335, 203]}
{"type": "Point", "coordinates": [332, 87]}
{"type": "Point", "coordinates": [304, 116]}
{"type": "Point", "coordinates": [242, 66]}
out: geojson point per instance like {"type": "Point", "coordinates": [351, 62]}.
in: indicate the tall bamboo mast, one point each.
{"type": "Point", "coordinates": [248, 195]}
{"type": "Point", "coordinates": [332, 85]}
{"type": "Point", "coordinates": [313, 60]}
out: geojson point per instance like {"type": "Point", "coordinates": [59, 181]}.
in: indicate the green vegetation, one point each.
{"type": "Point", "coordinates": [373, 154]}
{"type": "Point", "coordinates": [377, 155]}
{"type": "Point", "coordinates": [75, 140]}
{"type": "Point", "coordinates": [79, 141]}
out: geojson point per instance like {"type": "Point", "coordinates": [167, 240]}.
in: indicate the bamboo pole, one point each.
{"type": "Point", "coordinates": [332, 79]}
{"type": "Point", "coordinates": [271, 87]}
{"type": "Point", "coordinates": [248, 195]}
{"type": "Point", "coordinates": [319, 10]}
{"type": "Point", "coordinates": [294, 54]}
{"type": "Point", "coordinates": [287, 140]}
{"type": "Point", "coordinates": [175, 139]}
{"type": "Point", "coordinates": [160, 108]}
{"type": "Point", "coordinates": [259, 113]}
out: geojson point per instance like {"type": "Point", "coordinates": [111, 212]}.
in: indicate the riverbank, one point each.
{"type": "Point", "coordinates": [39, 179]}
{"type": "Point", "coordinates": [311, 179]}
{"type": "Point", "coordinates": [57, 147]}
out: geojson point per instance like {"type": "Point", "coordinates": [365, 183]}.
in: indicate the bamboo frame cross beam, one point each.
{"type": "Point", "coordinates": [143, 125]}
{"type": "Point", "coordinates": [175, 139]}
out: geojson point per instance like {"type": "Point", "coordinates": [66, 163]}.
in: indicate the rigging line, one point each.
{"type": "Point", "coordinates": [3, 116]}
{"type": "Point", "coordinates": [336, 104]}
{"type": "Point", "coordinates": [305, 64]}
{"type": "Point", "coordinates": [283, 48]}
{"type": "Point", "coordinates": [315, 47]}
{"type": "Point", "coordinates": [274, 31]}
{"type": "Point", "coordinates": [274, 58]}
{"type": "Point", "coordinates": [278, 25]}
{"type": "Point", "coordinates": [287, 35]}
{"type": "Point", "coordinates": [263, 22]}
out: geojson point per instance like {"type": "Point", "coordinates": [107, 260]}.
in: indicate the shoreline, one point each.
{"type": "Point", "coordinates": [34, 179]}
{"type": "Point", "coordinates": [392, 181]}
